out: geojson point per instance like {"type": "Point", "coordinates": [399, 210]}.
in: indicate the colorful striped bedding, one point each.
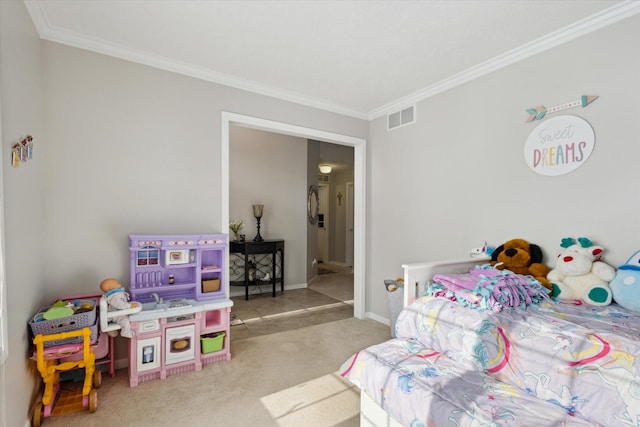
{"type": "Point", "coordinates": [547, 365]}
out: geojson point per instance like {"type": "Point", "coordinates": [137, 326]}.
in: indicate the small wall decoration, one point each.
{"type": "Point", "coordinates": [540, 111]}
{"type": "Point", "coordinates": [559, 145]}
{"type": "Point", "coordinates": [22, 151]}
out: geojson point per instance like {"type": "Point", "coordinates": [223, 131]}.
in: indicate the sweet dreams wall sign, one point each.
{"type": "Point", "coordinates": [561, 144]}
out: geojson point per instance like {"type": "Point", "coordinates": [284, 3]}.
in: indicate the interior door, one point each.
{"type": "Point", "coordinates": [323, 223]}
{"type": "Point", "coordinates": [349, 228]}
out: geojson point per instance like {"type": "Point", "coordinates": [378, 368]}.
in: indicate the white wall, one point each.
{"type": "Point", "coordinates": [344, 157]}
{"type": "Point", "coordinates": [131, 149]}
{"type": "Point", "coordinates": [457, 177]}
{"type": "Point", "coordinates": [338, 225]}
{"type": "Point", "coordinates": [136, 150]}
{"type": "Point", "coordinates": [128, 149]}
{"type": "Point", "coordinates": [313, 156]}
{"type": "Point", "coordinates": [271, 169]}
{"type": "Point", "coordinates": [21, 88]}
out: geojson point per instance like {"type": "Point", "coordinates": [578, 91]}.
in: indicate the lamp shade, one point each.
{"type": "Point", "coordinates": [325, 168]}
{"type": "Point", "coordinates": [257, 210]}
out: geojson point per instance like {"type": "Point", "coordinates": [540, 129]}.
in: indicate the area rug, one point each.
{"type": "Point", "coordinates": [323, 270]}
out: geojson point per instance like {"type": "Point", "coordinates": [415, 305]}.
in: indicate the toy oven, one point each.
{"type": "Point", "coordinates": [179, 344]}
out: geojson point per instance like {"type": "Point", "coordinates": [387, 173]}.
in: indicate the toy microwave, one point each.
{"type": "Point", "coordinates": [178, 256]}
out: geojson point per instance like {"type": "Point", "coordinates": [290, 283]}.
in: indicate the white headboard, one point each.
{"type": "Point", "coordinates": [417, 275]}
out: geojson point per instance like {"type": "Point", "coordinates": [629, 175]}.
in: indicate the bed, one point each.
{"type": "Point", "coordinates": [546, 364]}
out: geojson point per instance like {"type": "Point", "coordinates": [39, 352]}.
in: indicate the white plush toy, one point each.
{"type": "Point", "coordinates": [580, 275]}
{"type": "Point", "coordinates": [118, 299]}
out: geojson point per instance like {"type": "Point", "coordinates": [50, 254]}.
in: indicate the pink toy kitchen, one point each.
{"type": "Point", "coordinates": [180, 281]}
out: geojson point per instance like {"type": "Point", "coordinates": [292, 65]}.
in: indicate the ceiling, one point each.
{"type": "Point", "coordinates": [359, 58]}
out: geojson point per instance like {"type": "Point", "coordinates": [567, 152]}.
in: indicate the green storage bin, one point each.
{"type": "Point", "coordinates": [212, 342]}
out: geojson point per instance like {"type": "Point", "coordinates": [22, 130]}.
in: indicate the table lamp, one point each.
{"type": "Point", "coordinates": [257, 212]}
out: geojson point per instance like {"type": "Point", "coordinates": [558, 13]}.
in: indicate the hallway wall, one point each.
{"type": "Point", "coordinates": [270, 169]}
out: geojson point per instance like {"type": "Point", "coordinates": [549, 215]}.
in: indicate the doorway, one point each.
{"type": "Point", "coordinates": [324, 220]}
{"type": "Point", "coordinates": [349, 228]}
{"type": "Point", "coordinates": [359, 146]}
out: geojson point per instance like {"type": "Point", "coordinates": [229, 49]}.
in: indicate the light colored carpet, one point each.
{"type": "Point", "coordinates": [292, 309]}
{"type": "Point", "coordinates": [283, 379]}
{"type": "Point", "coordinates": [338, 285]}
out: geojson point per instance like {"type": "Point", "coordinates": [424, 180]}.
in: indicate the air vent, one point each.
{"type": "Point", "coordinates": [401, 118]}
{"type": "Point", "coordinates": [323, 178]}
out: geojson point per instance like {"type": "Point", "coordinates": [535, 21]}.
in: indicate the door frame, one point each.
{"type": "Point", "coordinates": [359, 180]}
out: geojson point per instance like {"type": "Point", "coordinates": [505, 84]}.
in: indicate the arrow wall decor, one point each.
{"type": "Point", "coordinates": [540, 111]}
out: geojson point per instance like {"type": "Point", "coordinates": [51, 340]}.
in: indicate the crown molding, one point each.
{"type": "Point", "coordinates": [48, 32]}
{"type": "Point", "coordinates": [592, 23]}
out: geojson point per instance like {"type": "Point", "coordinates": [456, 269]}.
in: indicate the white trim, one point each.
{"type": "Point", "coordinates": [359, 227]}
{"type": "Point", "coordinates": [224, 191]}
{"type": "Point", "coordinates": [372, 414]}
{"type": "Point", "coordinates": [4, 314]}
{"type": "Point", "coordinates": [592, 23]}
{"type": "Point", "coordinates": [359, 181]}
{"type": "Point", "coordinates": [81, 41]}
{"type": "Point", "coordinates": [380, 319]}
{"type": "Point", "coordinates": [238, 291]}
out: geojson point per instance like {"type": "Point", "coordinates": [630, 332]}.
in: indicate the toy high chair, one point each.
{"type": "Point", "coordinates": [106, 316]}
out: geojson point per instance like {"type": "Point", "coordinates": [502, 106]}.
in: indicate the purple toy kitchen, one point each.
{"type": "Point", "coordinates": [184, 323]}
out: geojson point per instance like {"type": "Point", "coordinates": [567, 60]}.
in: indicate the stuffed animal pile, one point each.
{"type": "Point", "coordinates": [579, 273]}
{"type": "Point", "coordinates": [521, 257]}
{"type": "Point", "coordinates": [579, 276]}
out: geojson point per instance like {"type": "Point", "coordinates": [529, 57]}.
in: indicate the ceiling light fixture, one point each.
{"type": "Point", "coordinates": [325, 168]}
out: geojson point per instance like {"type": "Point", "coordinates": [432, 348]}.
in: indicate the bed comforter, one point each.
{"type": "Point", "coordinates": [547, 365]}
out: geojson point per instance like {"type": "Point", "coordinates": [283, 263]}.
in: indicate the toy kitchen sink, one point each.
{"type": "Point", "coordinates": [161, 305]}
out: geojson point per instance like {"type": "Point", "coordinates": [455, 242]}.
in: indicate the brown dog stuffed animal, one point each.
{"type": "Point", "coordinates": [521, 257]}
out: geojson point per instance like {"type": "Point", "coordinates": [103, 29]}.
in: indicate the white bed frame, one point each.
{"type": "Point", "coordinates": [416, 276]}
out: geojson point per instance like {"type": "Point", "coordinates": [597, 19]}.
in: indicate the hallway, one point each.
{"type": "Point", "coordinates": [328, 298]}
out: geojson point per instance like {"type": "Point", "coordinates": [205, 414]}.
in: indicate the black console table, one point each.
{"type": "Point", "coordinates": [273, 264]}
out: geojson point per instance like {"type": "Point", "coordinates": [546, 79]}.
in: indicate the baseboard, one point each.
{"type": "Point", "coordinates": [339, 263]}
{"type": "Point", "coordinates": [238, 291]}
{"type": "Point", "coordinates": [298, 286]}
{"type": "Point", "coordinates": [373, 316]}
